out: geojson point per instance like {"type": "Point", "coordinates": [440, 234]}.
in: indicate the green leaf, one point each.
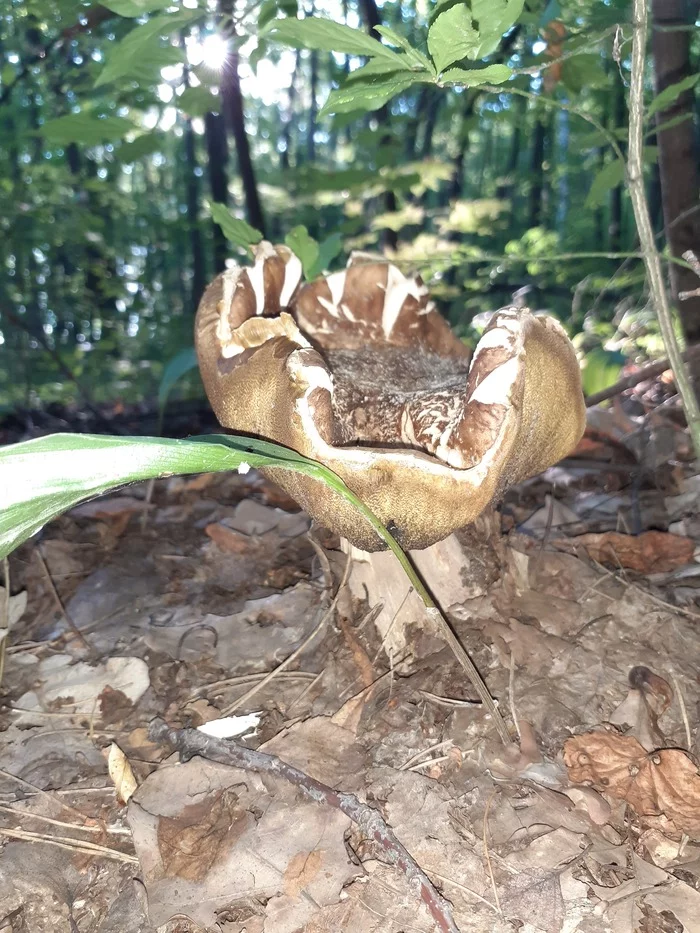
{"type": "Point", "coordinates": [129, 57]}
{"type": "Point", "coordinates": [670, 94]}
{"type": "Point", "coordinates": [88, 129]}
{"type": "Point", "coordinates": [324, 35]}
{"type": "Point", "coordinates": [610, 176]}
{"type": "Point", "coordinates": [236, 231]}
{"type": "Point", "coordinates": [413, 55]}
{"type": "Point", "coordinates": [452, 37]}
{"type": "Point", "coordinates": [270, 8]}
{"type": "Point", "coordinates": [470, 30]}
{"type": "Point", "coordinates": [601, 369]}
{"type": "Point", "coordinates": [369, 91]}
{"type": "Point", "coordinates": [305, 248]}
{"type": "Point", "coordinates": [142, 146]}
{"type": "Point", "coordinates": [583, 71]}
{"type": "Point", "coordinates": [328, 249]}
{"type": "Point", "coordinates": [42, 478]}
{"type": "Point", "coordinates": [491, 74]}
{"type": "Point", "coordinates": [196, 101]}
{"type": "Point", "coordinates": [133, 8]}
{"type": "Point", "coordinates": [181, 363]}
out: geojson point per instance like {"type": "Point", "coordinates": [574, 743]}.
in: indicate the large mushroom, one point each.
{"type": "Point", "coordinates": [359, 371]}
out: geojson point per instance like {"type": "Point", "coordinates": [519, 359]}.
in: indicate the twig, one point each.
{"type": "Point", "coordinates": [114, 830]}
{"type": "Point", "coordinates": [694, 263]}
{"type": "Point", "coordinates": [45, 793]}
{"type": "Point", "coordinates": [646, 372]}
{"type": "Point", "coordinates": [191, 742]}
{"type": "Point", "coordinates": [511, 694]}
{"type": "Point", "coordinates": [59, 602]}
{"type": "Point", "coordinates": [652, 260]}
{"type": "Point", "coordinates": [487, 854]}
{"type": "Point", "coordinates": [65, 842]}
{"type": "Point", "coordinates": [684, 711]}
{"type": "Point", "coordinates": [5, 617]}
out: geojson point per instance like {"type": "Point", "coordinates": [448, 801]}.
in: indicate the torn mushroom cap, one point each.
{"type": "Point", "coordinates": [363, 375]}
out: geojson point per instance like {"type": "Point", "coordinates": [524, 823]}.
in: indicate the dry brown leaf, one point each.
{"type": "Point", "coordinates": [663, 786]}
{"type": "Point", "coordinates": [121, 774]}
{"type": "Point", "coordinates": [650, 552]}
{"type": "Point", "coordinates": [192, 842]}
{"type": "Point", "coordinates": [227, 538]}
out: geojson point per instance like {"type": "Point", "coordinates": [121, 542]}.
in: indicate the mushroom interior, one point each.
{"type": "Point", "coordinates": [378, 391]}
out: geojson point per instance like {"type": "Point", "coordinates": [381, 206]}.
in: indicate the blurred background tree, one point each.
{"type": "Point", "coordinates": [122, 123]}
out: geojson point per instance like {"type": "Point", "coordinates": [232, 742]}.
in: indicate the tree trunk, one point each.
{"type": "Point", "coordinates": [370, 14]}
{"type": "Point", "coordinates": [217, 159]}
{"type": "Point", "coordinates": [313, 109]}
{"type": "Point", "coordinates": [537, 171]}
{"type": "Point", "coordinates": [234, 113]}
{"type": "Point", "coordinates": [198, 272]}
{"type": "Point", "coordinates": [619, 118]}
{"type": "Point", "coordinates": [678, 156]}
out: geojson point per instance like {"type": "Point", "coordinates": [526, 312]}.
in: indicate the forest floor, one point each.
{"type": "Point", "coordinates": [180, 606]}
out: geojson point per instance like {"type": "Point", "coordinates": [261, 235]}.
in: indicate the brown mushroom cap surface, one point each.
{"type": "Point", "coordinates": [360, 372]}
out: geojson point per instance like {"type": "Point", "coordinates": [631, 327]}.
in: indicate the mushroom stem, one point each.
{"type": "Point", "coordinates": [374, 577]}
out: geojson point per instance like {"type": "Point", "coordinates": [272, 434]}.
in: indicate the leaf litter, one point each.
{"type": "Point", "coordinates": [213, 603]}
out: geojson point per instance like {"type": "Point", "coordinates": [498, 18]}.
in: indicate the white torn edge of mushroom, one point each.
{"type": "Point", "coordinates": [451, 462]}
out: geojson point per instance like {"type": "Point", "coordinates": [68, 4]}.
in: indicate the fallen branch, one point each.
{"type": "Point", "coordinates": [191, 742]}
{"type": "Point", "coordinates": [646, 372]}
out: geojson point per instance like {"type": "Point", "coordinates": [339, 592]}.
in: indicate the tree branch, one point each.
{"type": "Point", "coordinates": [191, 742]}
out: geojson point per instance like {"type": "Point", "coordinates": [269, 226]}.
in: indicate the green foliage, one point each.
{"type": "Point", "coordinates": [235, 230]}
{"type": "Point", "coordinates": [600, 369]}
{"type": "Point", "coordinates": [315, 32]}
{"type": "Point", "coordinates": [42, 478]}
{"type": "Point", "coordinates": [184, 362]}
{"type": "Point", "coordinates": [197, 101]}
{"type": "Point", "coordinates": [140, 52]}
{"type": "Point", "coordinates": [87, 128]}
{"type": "Point", "coordinates": [133, 8]}
{"type": "Point", "coordinates": [470, 30]}
{"type": "Point", "coordinates": [671, 94]}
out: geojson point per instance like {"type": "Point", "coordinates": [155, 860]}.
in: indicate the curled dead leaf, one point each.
{"type": "Point", "coordinates": [662, 787]}
{"type": "Point", "coordinates": [120, 773]}
{"type": "Point", "coordinates": [650, 552]}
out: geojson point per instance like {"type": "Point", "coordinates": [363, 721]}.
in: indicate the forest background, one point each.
{"type": "Point", "coordinates": [143, 143]}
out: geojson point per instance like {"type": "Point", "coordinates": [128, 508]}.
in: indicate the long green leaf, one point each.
{"type": "Point", "coordinates": [41, 479]}
{"type": "Point", "coordinates": [127, 57]}
{"type": "Point", "coordinates": [491, 74]}
{"type": "Point", "coordinates": [181, 363]}
{"type": "Point", "coordinates": [134, 8]}
{"type": "Point", "coordinates": [236, 231]}
{"type": "Point", "coordinates": [370, 94]}
{"type": "Point", "coordinates": [88, 129]}
{"type": "Point", "coordinates": [671, 94]}
{"type": "Point", "coordinates": [324, 35]}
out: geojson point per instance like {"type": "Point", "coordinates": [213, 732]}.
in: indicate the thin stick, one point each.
{"type": "Point", "coordinates": [114, 830]}
{"type": "Point", "coordinates": [487, 855]}
{"type": "Point", "coordinates": [59, 602]}
{"type": "Point", "coordinates": [684, 711]}
{"type": "Point", "coordinates": [646, 372]}
{"type": "Point", "coordinates": [511, 694]}
{"type": "Point", "coordinates": [5, 617]}
{"type": "Point", "coordinates": [65, 842]}
{"type": "Point", "coordinates": [652, 260]}
{"type": "Point", "coordinates": [43, 793]}
{"type": "Point", "coordinates": [191, 742]}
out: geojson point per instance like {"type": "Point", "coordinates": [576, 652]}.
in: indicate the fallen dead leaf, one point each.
{"type": "Point", "coordinates": [663, 786]}
{"type": "Point", "coordinates": [121, 774]}
{"type": "Point", "coordinates": [227, 538]}
{"type": "Point", "coordinates": [650, 552]}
